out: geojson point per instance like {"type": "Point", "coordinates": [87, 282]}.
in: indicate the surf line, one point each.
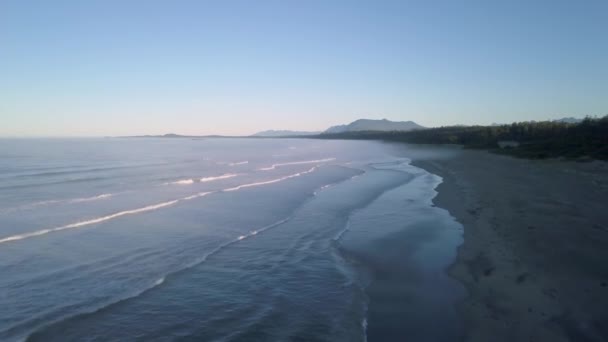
{"type": "Point", "coordinates": [274, 166]}
{"type": "Point", "coordinates": [55, 201]}
{"type": "Point", "coordinates": [201, 180]}
{"type": "Point", "coordinates": [143, 209]}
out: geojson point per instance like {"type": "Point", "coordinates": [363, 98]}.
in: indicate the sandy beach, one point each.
{"type": "Point", "coordinates": [535, 251]}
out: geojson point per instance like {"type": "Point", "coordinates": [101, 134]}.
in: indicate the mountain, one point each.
{"type": "Point", "coordinates": [283, 133]}
{"type": "Point", "coordinates": [375, 125]}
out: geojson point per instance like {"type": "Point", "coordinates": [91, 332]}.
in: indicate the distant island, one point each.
{"type": "Point", "coordinates": [173, 135]}
{"type": "Point", "coordinates": [360, 125]}
{"type": "Point", "coordinates": [283, 133]}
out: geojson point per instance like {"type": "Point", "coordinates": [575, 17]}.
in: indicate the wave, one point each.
{"type": "Point", "coordinates": [201, 180]}
{"type": "Point", "coordinates": [87, 222]}
{"type": "Point", "coordinates": [41, 328]}
{"type": "Point", "coordinates": [143, 209]}
{"type": "Point", "coordinates": [55, 201]}
{"type": "Point", "coordinates": [61, 171]}
{"type": "Point", "coordinates": [269, 181]}
{"type": "Point", "coordinates": [274, 166]}
{"type": "Point", "coordinates": [65, 181]}
{"type": "Point", "coordinates": [339, 235]}
{"type": "Point", "coordinates": [88, 199]}
{"type": "Point", "coordinates": [200, 194]}
{"type": "Point", "coordinates": [160, 280]}
{"type": "Point", "coordinates": [182, 182]}
{"type": "Point", "coordinates": [321, 189]}
{"type": "Point", "coordinates": [224, 176]}
{"type": "Point", "coordinates": [239, 163]}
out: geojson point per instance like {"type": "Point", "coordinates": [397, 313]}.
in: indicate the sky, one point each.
{"type": "Point", "coordinates": [127, 67]}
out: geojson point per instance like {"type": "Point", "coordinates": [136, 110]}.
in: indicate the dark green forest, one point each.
{"type": "Point", "coordinates": [547, 139]}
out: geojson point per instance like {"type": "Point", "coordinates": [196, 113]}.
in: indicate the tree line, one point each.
{"type": "Point", "coordinates": [546, 139]}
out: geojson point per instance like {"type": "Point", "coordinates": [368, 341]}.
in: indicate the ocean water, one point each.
{"type": "Point", "coordinates": [222, 240]}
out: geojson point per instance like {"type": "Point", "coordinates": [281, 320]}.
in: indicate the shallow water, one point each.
{"type": "Point", "coordinates": [221, 239]}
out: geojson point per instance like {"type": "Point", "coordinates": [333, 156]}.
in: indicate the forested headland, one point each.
{"type": "Point", "coordinates": [546, 139]}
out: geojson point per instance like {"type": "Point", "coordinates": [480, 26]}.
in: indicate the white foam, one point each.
{"type": "Point", "coordinates": [342, 232]}
{"type": "Point", "coordinates": [274, 166]}
{"type": "Point", "coordinates": [87, 222]}
{"type": "Point", "coordinates": [48, 202]}
{"type": "Point", "coordinates": [159, 281]}
{"type": "Point", "coordinates": [269, 181]}
{"type": "Point", "coordinates": [200, 194]}
{"type": "Point", "coordinates": [88, 199]}
{"type": "Point", "coordinates": [181, 182]}
{"type": "Point", "coordinates": [141, 210]}
{"type": "Point", "coordinates": [211, 179]}
{"type": "Point", "coordinates": [321, 189]}
{"type": "Point", "coordinates": [202, 180]}
{"type": "Point", "coordinates": [239, 163]}
{"type": "Point", "coordinates": [257, 231]}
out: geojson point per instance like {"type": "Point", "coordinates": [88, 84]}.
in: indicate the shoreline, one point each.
{"type": "Point", "coordinates": [535, 246]}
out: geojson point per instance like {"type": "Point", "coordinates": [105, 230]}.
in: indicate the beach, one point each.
{"type": "Point", "coordinates": [535, 245]}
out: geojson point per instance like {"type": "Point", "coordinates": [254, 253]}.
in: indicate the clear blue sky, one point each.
{"type": "Point", "coordinates": [87, 68]}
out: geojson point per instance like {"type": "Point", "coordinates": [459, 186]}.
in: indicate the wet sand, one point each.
{"type": "Point", "coordinates": [535, 253]}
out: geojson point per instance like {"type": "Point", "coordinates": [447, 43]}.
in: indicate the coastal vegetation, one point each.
{"type": "Point", "coordinates": [546, 139]}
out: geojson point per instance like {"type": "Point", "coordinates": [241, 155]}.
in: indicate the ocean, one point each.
{"type": "Point", "coordinates": [221, 239]}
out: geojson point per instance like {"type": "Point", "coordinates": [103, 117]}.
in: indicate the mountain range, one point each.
{"type": "Point", "coordinates": [375, 125]}
{"type": "Point", "coordinates": [355, 126]}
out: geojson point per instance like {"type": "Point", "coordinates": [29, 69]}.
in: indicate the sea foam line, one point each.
{"type": "Point", "coordinates": [269, 181]}
{"type": "Point", "coordinates": [87, 222]}
{"type": "Point", "coordinates": [239, 163]}
{"type": "Point", "coordinates": [141, 210]}
{"type": "Point", "coordinates": [321, 189]}
{"type": "Point", "coordinates": [201, 180]}
{"type": "Point", "coordinates": [274, 166]}
{"type": "Point", "coordinates": [182, 182]}
{"type": "Point", "coordinates": [224, 176]}
{"type": "Point", "coordinates": [88, 199]}
{"type": "Point", "coordinates": [55, 201]}
{"type": "Point", "coordinates": [200, 194]}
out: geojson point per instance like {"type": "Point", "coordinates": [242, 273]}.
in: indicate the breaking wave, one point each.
{"type": "Point", "coordinates": [201, 180]}
{"type": "Point", "coordinates": [87, 222]}
{"type": "Point", "coordinates": [55, 201]}
{"type": "Point", "coordinates": [269, 181]}
{"type": "Point", "coordinates": [182, 182]}
{"type": "Point", "coordinates": [211, 179]}
{"type": "Point", "coordinates": [274, 166]}
{"type": "Point", "coordinates": [144, 209]}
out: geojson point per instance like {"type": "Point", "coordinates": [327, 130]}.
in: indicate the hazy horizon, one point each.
{"type": "Point", "coordinates": [109, 68]}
